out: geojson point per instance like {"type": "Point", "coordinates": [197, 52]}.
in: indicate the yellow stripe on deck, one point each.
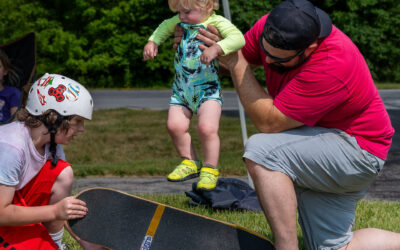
{"type": "Point", "coordinates": [151, 231]}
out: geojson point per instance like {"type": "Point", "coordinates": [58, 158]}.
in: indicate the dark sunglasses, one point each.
{"type": "Point", "coordinates": [277, 59]}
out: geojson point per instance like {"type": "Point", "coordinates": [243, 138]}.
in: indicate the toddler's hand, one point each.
{"type": "Point", "coordinates": [150, 50]}
{"type": "Point", "coordinates": [70, 208]}
{"type": "Point", "coordinates": [210, 54]}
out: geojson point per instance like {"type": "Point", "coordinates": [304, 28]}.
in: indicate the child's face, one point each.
{"type": "Point", "coordinates": [195, 15]}
{"type": "Point", "coordinates": [3, 72]}
{"type": "Point", "coordinates": [76, 125]}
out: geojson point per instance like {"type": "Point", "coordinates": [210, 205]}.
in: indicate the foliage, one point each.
{"type": "Point", "coordinates": [100, 42]}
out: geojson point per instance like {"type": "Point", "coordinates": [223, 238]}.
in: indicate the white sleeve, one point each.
{"type": "Point", "coordinates": [10, 165]}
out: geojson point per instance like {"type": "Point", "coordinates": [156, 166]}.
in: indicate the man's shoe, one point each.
{"type": "Point", "coordinates": [188, 169]}
{"type": "Point", "coordinates": [208, 178]}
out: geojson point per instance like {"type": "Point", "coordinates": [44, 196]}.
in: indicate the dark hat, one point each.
{"type": "Point", "coordinates": [296, 24]}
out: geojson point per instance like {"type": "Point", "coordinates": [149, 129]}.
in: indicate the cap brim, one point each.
{"type": "Point", "coordinates": [326, 23]}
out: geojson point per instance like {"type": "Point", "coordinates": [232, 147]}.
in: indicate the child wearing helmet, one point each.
{"type": "Point", "coordinates": [34, 191]}
{"type": "Point", "coordinates": [196, 89]}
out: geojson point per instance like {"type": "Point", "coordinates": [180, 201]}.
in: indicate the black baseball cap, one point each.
{"type": "Point", "coordinates": [297, 24]}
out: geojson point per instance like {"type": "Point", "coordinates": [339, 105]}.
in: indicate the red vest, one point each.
{"type": "Point", "coordinates": [36, 193]}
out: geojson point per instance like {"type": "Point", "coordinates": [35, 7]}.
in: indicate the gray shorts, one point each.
{"type": "Point", "coordinates": [330, 173]}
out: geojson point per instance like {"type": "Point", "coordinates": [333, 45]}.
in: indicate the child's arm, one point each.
{"type": "Point", "coordinates": [150, 50]}
{"type": "Point", "coordinates": [163, 31]}
{"type": "Point", "coordinates": [210, 54]}
{"type": "Point", "coordinates": [67, 208]}
{"type": "Point", "coordinates": [233, 39]}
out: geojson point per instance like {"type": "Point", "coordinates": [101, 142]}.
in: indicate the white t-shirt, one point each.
{"type": "Point", "coordinates": [19, 159]}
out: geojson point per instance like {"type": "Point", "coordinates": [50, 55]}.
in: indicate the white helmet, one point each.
{"type": "Point", "coordinates": [61, 94]}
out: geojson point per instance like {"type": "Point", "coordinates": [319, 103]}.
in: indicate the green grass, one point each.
{"type": "Point", "coordinates": [135, 142]}
{"type": "Point", "coordinates": [383, 215]}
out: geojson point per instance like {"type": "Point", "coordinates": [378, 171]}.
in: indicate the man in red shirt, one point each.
{"type": "Point", "coordinates": [324, 131]}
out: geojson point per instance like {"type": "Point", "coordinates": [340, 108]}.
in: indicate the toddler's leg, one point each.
{"type": "Point", "coordinates": [178, 127]}
{"type": "Point", "coordinates": [208, 124]}
{"type": "Point", "coordinates": [209, 115]}
{"type": "Point", "coordinates": [178, 123]}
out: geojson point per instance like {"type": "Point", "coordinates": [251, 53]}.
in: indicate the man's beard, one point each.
{"type": "Point", "coordinates": [277, 67]}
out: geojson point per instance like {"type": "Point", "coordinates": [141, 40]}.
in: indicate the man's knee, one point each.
{"type": "Point", "coordinates": [254, 168]}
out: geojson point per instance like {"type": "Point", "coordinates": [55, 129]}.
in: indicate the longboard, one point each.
{"type": "Point", "coordinates": [118, 220]}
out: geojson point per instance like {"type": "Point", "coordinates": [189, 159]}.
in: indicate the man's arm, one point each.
{"type": "Point", "coordinates": [255, 99]}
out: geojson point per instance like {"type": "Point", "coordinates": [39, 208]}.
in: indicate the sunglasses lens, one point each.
{"type": "Point", "coordinates": [277, 59]}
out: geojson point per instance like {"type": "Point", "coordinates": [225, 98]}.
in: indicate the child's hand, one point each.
{"type": "Point", "coordinates": [210, 54]}
{"type": "Point", "coordinates": [70, 208]}
{"type": "Point", "coordinates": [150, 50]}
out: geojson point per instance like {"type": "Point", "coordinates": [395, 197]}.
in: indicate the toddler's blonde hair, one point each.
{"type": "Point", "coordinates": [189, 4]}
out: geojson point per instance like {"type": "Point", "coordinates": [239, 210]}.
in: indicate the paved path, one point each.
{"type": "Point", "coordinates": [139, 185]}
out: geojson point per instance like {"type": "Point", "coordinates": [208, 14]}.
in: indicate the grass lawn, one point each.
{"type": "Point", "coordinates": [135, 142]}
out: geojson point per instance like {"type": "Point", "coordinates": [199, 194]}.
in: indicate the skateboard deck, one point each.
{"type": "Point", "coordinates": [118, 220]}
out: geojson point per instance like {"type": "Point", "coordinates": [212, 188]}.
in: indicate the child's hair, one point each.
{"type": "Point", "coordinates": [33, 121]}
{"type": "Point", "coordinates": [12, 78]}
{"type": "Point", "coordinates": [189, 4]}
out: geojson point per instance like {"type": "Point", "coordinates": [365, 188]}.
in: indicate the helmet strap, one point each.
{"type": "Point", "coordinates": [52, 128]}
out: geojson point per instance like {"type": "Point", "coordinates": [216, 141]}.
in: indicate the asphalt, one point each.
{"type": "Point", "coordinates": [384, 187]}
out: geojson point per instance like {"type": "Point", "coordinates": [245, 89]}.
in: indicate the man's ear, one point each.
{"type": "Point", "coordinates": [311, 48]}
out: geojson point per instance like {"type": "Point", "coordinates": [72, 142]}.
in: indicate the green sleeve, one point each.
{"type": "Point", "coordinates": [233, 38]}
{"type": "Point", "coordinates": [164, 30]}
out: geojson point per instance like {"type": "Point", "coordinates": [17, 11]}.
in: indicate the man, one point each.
{"type": "Point", "coordinates": [324, 131]}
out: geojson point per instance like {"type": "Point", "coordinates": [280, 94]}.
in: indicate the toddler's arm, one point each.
{"type": "Point", "coordinates": [163, 31]}
{"type": "Point", "coordinates": [150, 50]}
{"type": "Point", "coordinates": [232, 37]}
{"type": "Point", "coordinates": [210, 54]}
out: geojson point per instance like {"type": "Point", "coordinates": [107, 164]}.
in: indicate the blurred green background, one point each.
{"type": "Point", "coordinates": [100, 42]}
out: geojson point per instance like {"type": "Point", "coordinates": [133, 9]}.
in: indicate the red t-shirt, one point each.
{"type": "Point", "coordinates": [333, 89]}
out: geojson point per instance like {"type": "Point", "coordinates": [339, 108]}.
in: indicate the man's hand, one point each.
{"type": "Point", "coordinates": [178, 34]}
{"type": "Point", "coordinates": [150, 50]}
{"type": "Point", "coordinates": [209, 37]}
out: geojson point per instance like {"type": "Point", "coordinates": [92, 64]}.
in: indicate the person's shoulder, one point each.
{"type": "Point", "coordinates": [262, 20]}
{"type": "Point", "coordinates": [259, 24]}
{"type": "Point", "coordinates": [336, 38]}
{"type": "Point", "coordinates": [11, 89]}
{"type": "Point", "coordinates": [14, 133]}
{"type": "Point", "coordinates": [338, 43]}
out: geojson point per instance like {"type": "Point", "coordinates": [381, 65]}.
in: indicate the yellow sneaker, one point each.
{"type": "Point", "coordinates": [208, 178]}
{"type": "Point", "coordinates": [188, 169]}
